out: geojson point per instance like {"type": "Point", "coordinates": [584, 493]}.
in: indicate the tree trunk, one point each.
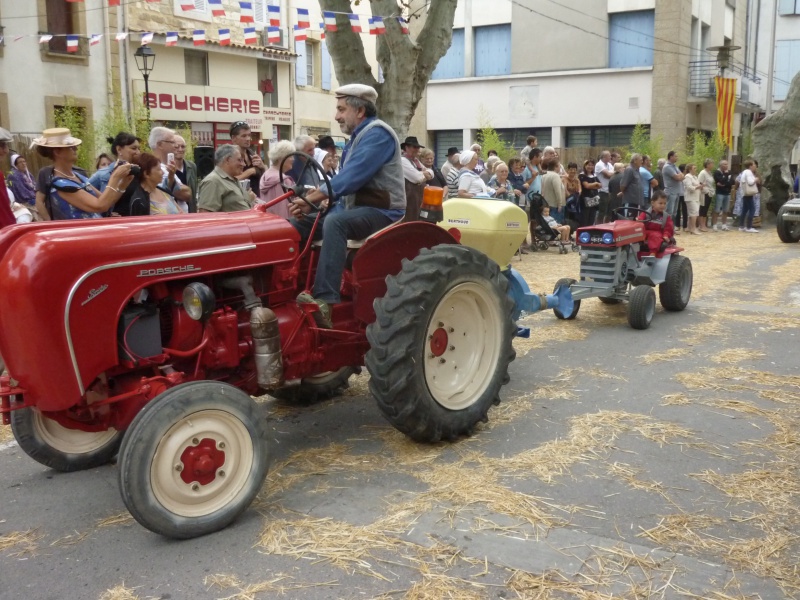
{"type": "Point", "coordinates": [406, 64]}
{"type": "Point", "coordinates": [773, 139]}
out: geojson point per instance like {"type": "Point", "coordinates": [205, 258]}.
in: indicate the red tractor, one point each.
{"type": "Point", "coordinates": [146, 337]}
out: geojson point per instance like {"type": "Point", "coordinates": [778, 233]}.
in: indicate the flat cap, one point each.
{"type": "Point", "coordinates": [5, 135]}
{"type": "Point", "coordinates": [358, 90]}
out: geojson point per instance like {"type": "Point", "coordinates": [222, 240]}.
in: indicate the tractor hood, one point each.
{"type": "Point", "coordinates": [63, 284]}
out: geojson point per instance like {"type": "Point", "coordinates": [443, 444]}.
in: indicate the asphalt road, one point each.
{"type": "Point", "coordinates": [621, 463]}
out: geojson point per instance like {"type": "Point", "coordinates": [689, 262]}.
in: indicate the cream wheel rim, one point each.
{"type": "Point", "coordinates": [194, 499]}
{"type": "Point", "coordinates": [69, 441]}
{"type": "Point", "coordinates": [462, 345]}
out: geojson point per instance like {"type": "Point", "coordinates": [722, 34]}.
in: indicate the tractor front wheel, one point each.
{"type": "Point", "coordinates": [193, 459]}
{"type": "Point", "coordinates": [641, 307]}
{"type": "Point", "coordinates": [61, 448]}
{"type": "Point", "coordinates": [788, 231]}
{"type": "Point", "coordinates": [441, 343]}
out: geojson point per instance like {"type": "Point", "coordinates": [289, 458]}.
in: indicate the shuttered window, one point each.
{"type": "Point", "coordinates": [451, 65]}
{"type": "Point", "coordinates": [325, 65]}
{"type": "Point", "coordinates": [196, 66]}
{"type": "Point", "coordinates": [630, 39]}
{"type": "Point", "coordinates": [447, 139]}
{"type": "Point", "coordinates": [787, 65]}
{"type": "Point", "coordinates": [789, 7]}
{"type": "Point", "coordinates": [300, 67]}
{"type": "Point", "coordinates": [492, 50]}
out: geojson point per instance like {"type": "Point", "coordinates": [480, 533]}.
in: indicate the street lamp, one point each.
{"type": "Point", "coordinates": [145, 60]}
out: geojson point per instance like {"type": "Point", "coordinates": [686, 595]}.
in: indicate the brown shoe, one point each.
{"type": "Point", "coordinates": [322, 316]}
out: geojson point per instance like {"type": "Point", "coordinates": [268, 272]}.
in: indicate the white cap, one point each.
{"type": "Point", "coordinates": [466, 157]}
{"type": "Point", "coordinates": [358, 90]}
{"type": "Point", "coordinates": [5, 135]}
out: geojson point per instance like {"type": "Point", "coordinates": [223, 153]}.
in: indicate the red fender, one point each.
{"type": "Point", "coordinates": [383, 253]}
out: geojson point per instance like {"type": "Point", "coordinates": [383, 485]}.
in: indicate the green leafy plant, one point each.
{"type": "Point", "coordinates": [74, 118]}
{"type": "Point", "coordinates": [489, 139]}
{"type": "Point", "coordinates": [643, 143]}
{"type": "Point", "coordinates": [746, 140]}
{"type": "Point", "coordinates": [116, 119]}
{"type": "Point", "coordinates": [700, 146]}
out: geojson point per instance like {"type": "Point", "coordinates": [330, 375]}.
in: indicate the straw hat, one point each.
{"type": "Point", "coordinates": [59, 137]}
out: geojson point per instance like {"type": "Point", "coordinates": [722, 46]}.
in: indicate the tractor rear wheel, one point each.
{"type": "Point", "coordinates": [320, 387]}
{"type": "Point", "coordinates": [61, 448]}
{"type": "Point", "coordinates": [193, 459]}
{"type": "Point", "coordinates": [576, 306]}
{"type": "Point", "coordinates": [676, 289]}
{"type": "Point", "coordinates": [788, 231]}
{"type": "Point", "coordinates": [440, 345]}
{"type": "Point", "coordinates": [641, 307]}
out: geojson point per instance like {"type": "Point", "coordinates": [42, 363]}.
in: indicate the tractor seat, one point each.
{"type": "Point", "coordinates": [355, 244]}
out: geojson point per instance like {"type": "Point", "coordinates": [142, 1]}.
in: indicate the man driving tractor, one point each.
{"type": "Point", "coordinates": [368, 193]}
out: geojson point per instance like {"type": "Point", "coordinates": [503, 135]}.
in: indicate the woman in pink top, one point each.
{"type": "Point", "coordinates": [270, 184]}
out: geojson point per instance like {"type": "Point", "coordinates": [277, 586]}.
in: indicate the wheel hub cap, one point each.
{"type": "Point", "coordinates": [201, 462]}
{"type": "Point", "coordinates": [439, 342]}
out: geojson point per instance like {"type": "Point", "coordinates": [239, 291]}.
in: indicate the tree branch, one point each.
{"type": "Point", "coordinates": [346, 48]}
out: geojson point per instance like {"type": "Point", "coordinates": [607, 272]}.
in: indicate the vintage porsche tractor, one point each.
{"type": "Point", "coordinates": [617, 266]}
{"type": "Point", "coordinates": [789, 221]}
{"type": "Point", "coordinates": [146, 337]}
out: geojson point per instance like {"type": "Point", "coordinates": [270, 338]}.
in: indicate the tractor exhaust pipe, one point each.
{"type": "Point", "coordinates": [267, 347]}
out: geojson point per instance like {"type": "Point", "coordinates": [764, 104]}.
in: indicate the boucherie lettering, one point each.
{"type": "Point", "coordinates": [219, 104]}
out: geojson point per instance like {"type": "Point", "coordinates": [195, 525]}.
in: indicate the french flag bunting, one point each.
{"type": "Point", "coordinates": [403, 25]}
{"type": "Point", "coordinates": [72, 43]}
{"type": "Point", "coordinates": [322, 31]}
{"type": "Point", "coordinates": [121, 36]}
{"type": "Point", "coordinates": [274, 14]}
{"type": "Point", "coordinates": [216, 8]}
{"type": "Point", "coordinates": [355, 23]}
{"type": "Point", "coordinates": [330, 21]}
{"type": "Point", "coordinates": [113, 2]}
{"type": "Point", "coordinates": [299, 34]}
{"type": "Point", "coordinates": [380, 28]}
{"type": "Point", "coordinates": [43, 39]}
{"type": "Point", "coordinates": [172, 38]}
{"type": "Point", "coordinates": [95, 39]}
{"type": "Point", "coordinates": [302, 18]}
{"type": "Point", "coordinates": [372, 26]}
{"type": "Point", "coordinates": [250, 36]}
{"type": "Point", "coordinates": [247, 12]}
{"type": "Point", "coordinates": [274, 35]}
{"type": "Point", "coordinates": [187, 5]}
{"type": "Point", "coordinates": [147, 37]}
{"type": "Point", "coordinates": [199, 37]}
{"type": "Point", "coordinates": [224, 37]}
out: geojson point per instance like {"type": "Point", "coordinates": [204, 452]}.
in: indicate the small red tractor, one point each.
{"type": "Point", "coordinates": [617, 266]}
{"type": "Point", "coordinates": [144, 338]}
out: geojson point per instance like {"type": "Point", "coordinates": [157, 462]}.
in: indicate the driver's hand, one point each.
{"type": "Point", "coordinates": [298, 208]}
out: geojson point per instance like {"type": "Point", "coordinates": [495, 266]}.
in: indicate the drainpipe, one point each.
{"type": "Point", "coordinates": [109, 74]}
{"type": "Point", "coordinates": [122, 23]}
{"type": "Point", "coordinates": [292, 78]}
{"type": "Point", "coordinates": [771, 72]}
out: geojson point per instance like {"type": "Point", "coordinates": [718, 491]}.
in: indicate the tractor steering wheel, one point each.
{"type": "Point", "coordinates": [623, 213]}
{"type": "Point", "coordinates": [299, 189]}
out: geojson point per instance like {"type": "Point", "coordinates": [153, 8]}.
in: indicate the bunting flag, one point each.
{"type": "Point", "coordinates": [187, 5]}
{"type": "Point", "coordinates": [299, 34]}
{"type": "Point", "coordinates": [43, 39]}
{"type": "Point", "coordinates": [247, 12]}
{"type": "Point", "coordinates": [355, 23]}
{"type": "Point", "coordinates": [72, 43]}
{"type": "Point", "coordinates": [172, 38]}
{"type": "Point", "coordinates": [147, 37]}
{"type": "Point", "coordinates": [274, 35]}
{"type": "Point", "coordinates": [380, 28]}
{"type": "Point", "coordinates": [216, 8]}
{"type": "Point", "coordinates": [113, 2]}
{"type": "Point", "coordinates": [95, 39]}
{"type": "Point", "coordinates": [250, 36]}
{"type": "Point", "coordinates": [121, 36]}
{"type": "Point", "coordinates": [371, 26]}
{"type": "Point", "coordinates": [199, 37]}
{"type": "Point", "coordinates": [403, 25]}
{"type": "Point", "coordinates": [726, 103]}
{"type": "Point", "coordinates": [322, 31]}
{"type": "Point", "coordinates": [330, 21]}
{"type": "Point", "coordinates": [302, 18]}
{"type": "Point", "coordinates": [274, 15]}
{"type": "Point", "coordinates": [74, 0]}
{"type": "Point", "coordinates": [224, 37]}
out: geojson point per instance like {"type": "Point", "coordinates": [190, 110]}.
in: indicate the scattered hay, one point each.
{"type": "Point", "coordinates": [123, 518]}
{"type": "Point", "coordinates": [119, 592]}
{"type": "Point", "coordinates": [438, 586]}
{"type": "Point", "coordinates": [402, 451]}
{"type": "Point", "coordinates": [6, 434]}
{"type": "Point", "coordinates": [670, 355]}
{"type": "Point", "coordinates": [629, 475]}
{"type": "Point", "coordinates": [735, 355]}
{"type": "Point", "coordinates": [675, 400]}
{"type": "Point", "coordinates": [24, 542]}
{"type": "Point", "coordinates": [251, 591]}
{"type": "Point", "coordinates": [222, 581]}
{"type": "Point", "coordinates": [682, 529]}
{"type": "Point", "coordinates": [741, 406]}
{"type": "Point", "coordinates": [773, 489]}
{"type": "Point", "coordinates": [70, 540]}
{"type": "Point", "coordinates": [776, 291]}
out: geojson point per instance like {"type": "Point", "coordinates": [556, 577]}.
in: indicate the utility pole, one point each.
{"type": "Point", "coordinates": [771, 72]}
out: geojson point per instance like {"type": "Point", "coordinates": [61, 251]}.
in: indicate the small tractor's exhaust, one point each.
{"type": "Point", "coordinates": [267, 347]}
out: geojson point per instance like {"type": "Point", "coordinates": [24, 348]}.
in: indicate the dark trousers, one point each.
{"type": "Point", "coordinates": [748, 211]}
{"type": "Point", "coordinates": [682, 218]}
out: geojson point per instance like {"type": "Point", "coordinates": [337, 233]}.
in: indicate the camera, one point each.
{"type": "Point", "coordinates": [136, 170]}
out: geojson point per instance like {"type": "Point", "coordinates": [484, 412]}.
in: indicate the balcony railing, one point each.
{"type": "Point", "coordinates": [702, 73]}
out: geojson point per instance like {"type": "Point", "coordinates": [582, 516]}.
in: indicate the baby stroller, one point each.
{"type": "Point", "coordinates": [545, 236]}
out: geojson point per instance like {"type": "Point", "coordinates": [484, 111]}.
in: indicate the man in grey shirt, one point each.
{"type": "Point", "coordinates": [631, 185]}
{"type": "Point", "coordinates": [673, 183]}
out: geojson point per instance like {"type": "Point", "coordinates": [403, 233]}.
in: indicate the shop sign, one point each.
{"type": "Point", "coordinates": [281, 116]}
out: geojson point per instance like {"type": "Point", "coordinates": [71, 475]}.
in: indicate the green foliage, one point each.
{"type": "Point", "coordinates": [74, 118]}
{"type": "Point", "coordinates": [185, 131]}
{"type": "Point", "coordinates": [489, 139]}
{"type": "Point", "coordinates": [642, 143]}
{"type": "Point", "coordinates": [700, 146]}
{"type": "Point", "coordinates": [117, 119]}
{"type": "Point", "coordinates": [747, 146]}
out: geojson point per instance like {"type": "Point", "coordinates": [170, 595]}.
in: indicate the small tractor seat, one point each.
{"type": "Point", "coordinates": [355, 244]}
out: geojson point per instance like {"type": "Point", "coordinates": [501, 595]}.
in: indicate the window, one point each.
{"type": "Point", "coordinates": [260, 11]}
{"type": "Point", "coordinates": [630, 39]}
{"type": "Point", "coordinates": [492, 50]}
{"type": "Point", "coordinates": [606, 137]}
{"type": "Point", "coordinates": [300, 72]}
{"type": "Point", "coordinates": [307, 70]}
{"type": "Point", "coordinates": [447, 139]}
{"type": "Point", "coordinates": [787, 65]}
{"type": "Point", "coordinates": [200, 12]}
{"type": "Point", "coordinates": [268, 81]}
{"type": "Point", "coordinates": [518, 138]}
{"type": "Point", "coordinates": [196, 65]}
{"type": "Point", "coordinates": [61, 19]}
{"type": "Point", "coordinates": [451, 64]}
{"type": "Point", "coordinates": [325, 66]}
{"type": "Point", "coordinates": [789, 7]}
{"type": "Point", "coordinates": [310, 70]}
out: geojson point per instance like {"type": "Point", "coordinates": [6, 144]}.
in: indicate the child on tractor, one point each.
{"type": "Point", "coordinates": [660, 228]}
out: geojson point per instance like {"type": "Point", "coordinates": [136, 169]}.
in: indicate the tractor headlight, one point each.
{"type": "Point", "coordinates": [585, 237]}
{"type": "Point", "coordinates": [608, 238]}
{"type": "Point", "coordinates": [198, 301]}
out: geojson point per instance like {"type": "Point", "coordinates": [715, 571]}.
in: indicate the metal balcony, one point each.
{"type": "Point", "coordinates": [702, 73]}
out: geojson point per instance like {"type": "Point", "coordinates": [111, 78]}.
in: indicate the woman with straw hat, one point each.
{"type": "Point", "coordinates": [70, 195]}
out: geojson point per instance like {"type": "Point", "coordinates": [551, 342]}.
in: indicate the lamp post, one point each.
{"type": "Point", "coordinates": [145, 60]}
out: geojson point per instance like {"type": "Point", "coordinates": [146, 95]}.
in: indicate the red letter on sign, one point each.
{"type": "Point", "coordinates": [151, 101]}
{"type": "Point", "coordinates": [222, 104]}
{"type": "Point", "coordinates": [165, 101]}
{"type": "Point", "coordinates": [210, 105]}
{"type": "Point", "coordinates": [236, 105]}
{"type": "Point", "coordinates": [181, 104]}
{"type": "Point", "coordinates": [254, 107]}
{"type": "Point", "coordinates": [195, 103]}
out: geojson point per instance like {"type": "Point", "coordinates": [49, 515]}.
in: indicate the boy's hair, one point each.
{"type": "Point", "coordinates": [513, 162]}
{"type": "Point", "coordinates": [572, 165]}
{"type": "Point", "coordinates": [658, 194]}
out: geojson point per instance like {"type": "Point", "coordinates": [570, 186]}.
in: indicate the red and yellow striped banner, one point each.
{"type": "Point", "coordinates": [726, 103]}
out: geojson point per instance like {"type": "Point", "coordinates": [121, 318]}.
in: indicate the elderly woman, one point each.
{"type": "Point", "coordinates": [504, 190]}
{"type": "Point", "coordinates": [427, 159]}
{"type": "Point", "coordinates": [270, 184]}
{"type": "Point", "coordinates": [149, 198]}
{"type": "Point", "coordinates": [470, 184]}
{"type": "Point", "coordinates": [71, 196]}
{"type": "Point", "coordinates": [21, 181]}
{"type": "Point", "coordinates": [491, 164]}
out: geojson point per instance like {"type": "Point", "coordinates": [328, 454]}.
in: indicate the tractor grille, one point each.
{"type": "Point", "coordinates": [598, 270]}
